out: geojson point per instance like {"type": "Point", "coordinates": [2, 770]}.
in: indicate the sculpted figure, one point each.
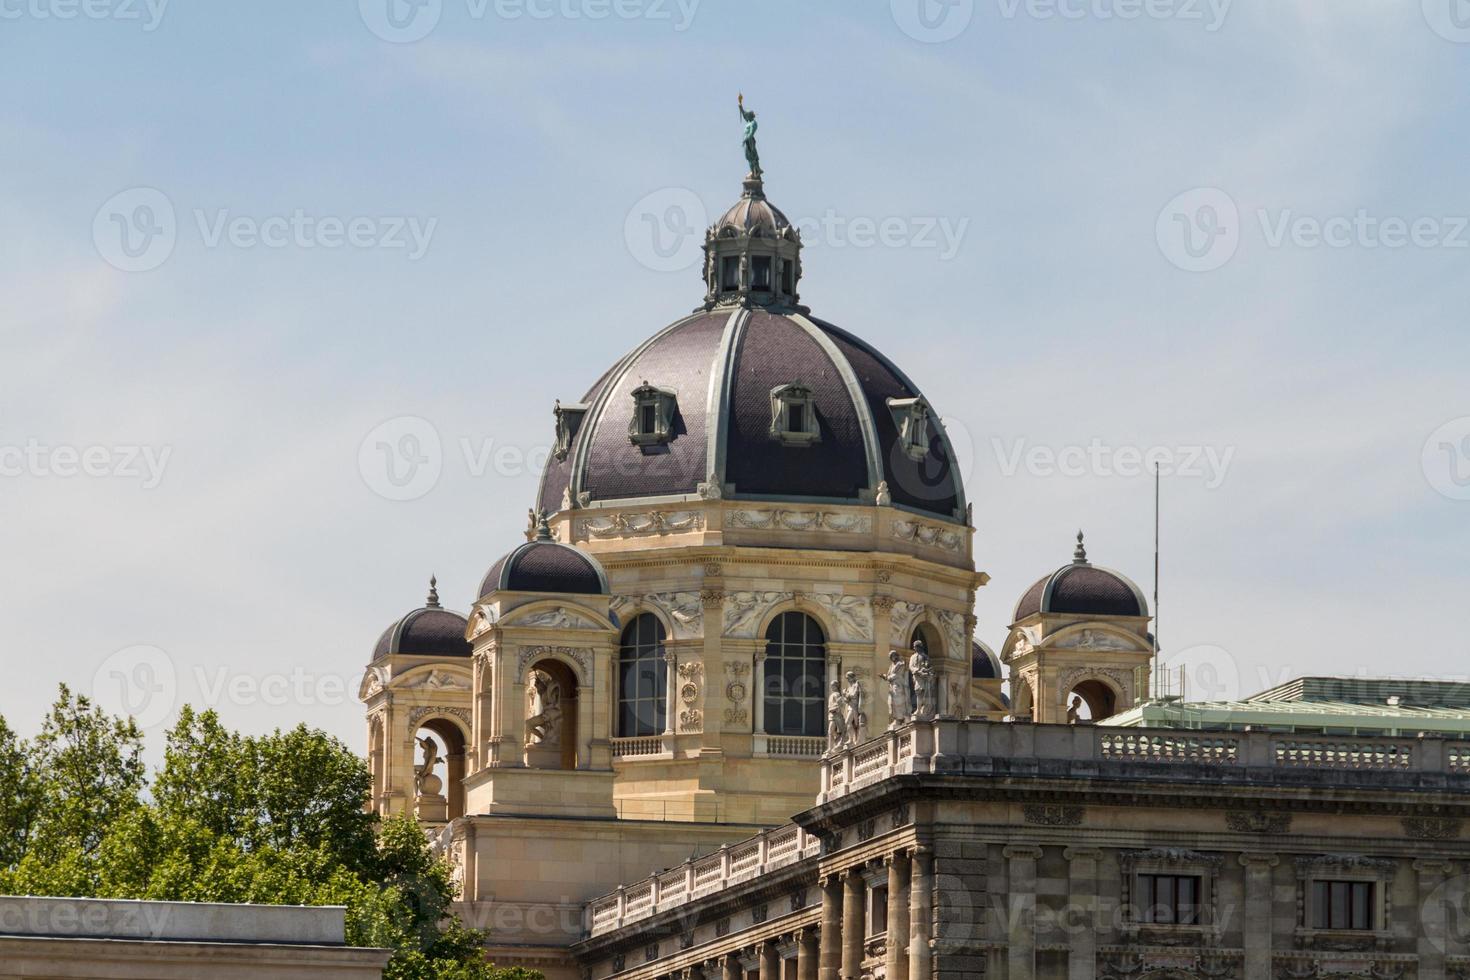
{"type": "Point", "coordinates": [853, 714]}
{"type": "Point", "coordinates": [425, 769]}
{"type": "Point", "coordinates": [836, 719]}
{"type": "Point", "coordinates": [1074, 710]}
{"type": "Point", "coordinates": [752, 156]}
{"type": "Point", "coordinates": [923, 675]}
{"type": "Point", "coordinates": [900, 690]}
{"type": "Point", "coordinates": [545, 710]}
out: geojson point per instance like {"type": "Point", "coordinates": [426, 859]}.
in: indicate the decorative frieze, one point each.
{"type": "Point", "coordinates": [1257, 822]}
{"type": "Point", "coordinates": [641, 524]}
{"type": "Point", "coordinates": [800, 520]}
{"type": "Point", "coordinates": [744, 611]}
{"type": "Point", "coordinates": [581, 656]}
{"type": "Point", "coordinates": [1052, 814]}
{"type": "Point", "coordinates": [419, 714]}
{"type": "Point", "coordinates": [851, 615]}
{"type": "Point", "coordinates": [930, 535]}
{"type": "Point", "coordinates": [1432, 828]}
{"type": "Point", "coordinates": [558, 618]}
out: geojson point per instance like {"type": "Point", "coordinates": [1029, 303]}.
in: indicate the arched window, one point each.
{"type": "Point", "coordinates": [643, 679]}
{"type": "Point", "coordinates": [796, 674]}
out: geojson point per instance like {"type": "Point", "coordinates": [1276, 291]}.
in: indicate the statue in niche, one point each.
{"type": "Point", "coordinates": [853, 715]}
{"type": "Point", "coordinates": [425, 782]}
{"type": "Point", "coordinates": [900, 691]}
{"type": "Point", "coordinates": [923, 675]}
{"type": "Point", "coordinates": [543, 726]}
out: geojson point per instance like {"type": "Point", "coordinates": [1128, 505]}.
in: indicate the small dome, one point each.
{"type": "Point", "coordinates": [544, 565]}
{"type": "Point", "coordinates": [753, 215]}
{"type": "Point", "coordinates": [1084, 589]}
{"type": "Point", "coordinates": [430, 631]}
{"type": "Point", "coordinates": [984, 664]}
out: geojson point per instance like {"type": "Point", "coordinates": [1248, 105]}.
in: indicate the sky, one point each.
{"type": "Point", "coordinates": [246, 244]}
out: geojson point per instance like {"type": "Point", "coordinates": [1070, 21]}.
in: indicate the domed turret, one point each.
{"type": "Point", "coordinates": [543, 565]}
{"type": "Point", "coordinates": [1082, 589]}
{"type": "Point", "coordinates": [429, 631]}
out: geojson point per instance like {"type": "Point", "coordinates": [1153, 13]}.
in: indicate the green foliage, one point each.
{"type": "Point", "coordinates": [276, 819]}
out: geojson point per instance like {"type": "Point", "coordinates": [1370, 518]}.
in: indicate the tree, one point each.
{"type": "Point", "coordinates": [276, 819]}
{"type": "Point", "coordinates": [19, 796]}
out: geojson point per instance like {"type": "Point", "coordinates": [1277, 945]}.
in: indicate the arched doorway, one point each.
{"type": "Point", "coordinates": [439, 765]}
{"type": "Point", "coordinates": [551, 716]}
{"type": "Point", "coordinates": [1090, 701]}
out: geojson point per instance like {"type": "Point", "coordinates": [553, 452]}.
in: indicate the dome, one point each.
{"type": "Point", "coordinates": [1083, 589]}
{"type": "Point", "coordinates": [753, 215]}
{"type": "Point", "coordinates": [430, 631]}
{"type": "Point", "coordinates": [753, 403]}
{"type": "Point", "coordinates": [984, 664]}
{"type": "Point", "coordinates": [544, 565]}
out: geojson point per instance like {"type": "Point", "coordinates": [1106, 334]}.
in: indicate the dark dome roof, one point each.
{"type": "Point", "coordinates": [983, 663]}
{"type": "Point", "coordinates": [544, 565]}
{"type": "Point", "coordinates": [1084, 589]}
{"type": "Point", "coordinates": [431, 631]}
{"type": "Point", "coordinates": [723, 366]}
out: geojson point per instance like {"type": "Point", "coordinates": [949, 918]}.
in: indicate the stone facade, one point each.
{"type": "Point", "coordinates": [967, 849]}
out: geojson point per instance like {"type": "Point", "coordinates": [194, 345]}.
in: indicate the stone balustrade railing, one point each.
{"type": "Point", "coordinates": [979, 748]}
{"type": "Point", "coordinates": [730, 865]}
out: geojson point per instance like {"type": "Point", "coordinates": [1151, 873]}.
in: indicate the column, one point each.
{"type": "Point", "coordinates": [896, 964]}
{"type": "Point", "coordinates": [730, 968]}
{"type": "Point", "coordinates": [671, 696]}
{"type": "Point", "coordinates": [1433, 939]}
{"type": "Point", "coordinates": [921, 913]}
{"type": "Point", "coordinates": [807, 954]}
{"type": "Point", "coordinates": [1256, 924]}
{"type": "Point", "coordinates": [1081, 928]}
{"type": "Point", "coordinates": [830, 965]}
{"type": "Point", "coordinates": [853, 925]}
{"type": "Point", "coordinates": [1021, 874]}
{"type": "Point", "coordinates": [758, 692]}
{"type": "Point", "coordinates": [770, 961]}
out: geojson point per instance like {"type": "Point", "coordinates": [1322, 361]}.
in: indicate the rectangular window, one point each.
{"type": "Point", "coordinates": [1169, 899]}
{"type": "Point", "coordinates": [796, 418]}
{"type": "Point", "coordinates": [1343, 905]}
{"type": "Point", "coordinates": [730, 273]}
{"type": "Point", "coordinates": [786, 278]}
{"type": "Point", "coordinates": [760, 273]}
{"type": "Point", "coordinates": [648, 419]}
{"type": "Point", "coordinates": [878, 910]}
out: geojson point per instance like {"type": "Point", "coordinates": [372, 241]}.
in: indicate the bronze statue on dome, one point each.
{"type": "Point", "coordinates": [752, 155]}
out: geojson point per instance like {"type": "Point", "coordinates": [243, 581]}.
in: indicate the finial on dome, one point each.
{"type": "Point", "coordinates": [1080, 555]}
{"type": "Point", "coordinates": [433, 601]}
{"type": "Point", "coordinates": [543, 528]}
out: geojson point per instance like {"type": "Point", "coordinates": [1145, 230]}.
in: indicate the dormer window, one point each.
{"type": "Point", "coordinates": [568, 423]}
{"type": "Point", "coordinates": [653, 416]}
{"type": "Point", "coordinates": [793, 416]}
{"type": "Point", "coordinates": [912, 417]}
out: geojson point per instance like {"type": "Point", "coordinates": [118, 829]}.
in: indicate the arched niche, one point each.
{"type": "Point", "coordinates": [553, 716]}
{"type": "Point", "coordinates": [445, 761]}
